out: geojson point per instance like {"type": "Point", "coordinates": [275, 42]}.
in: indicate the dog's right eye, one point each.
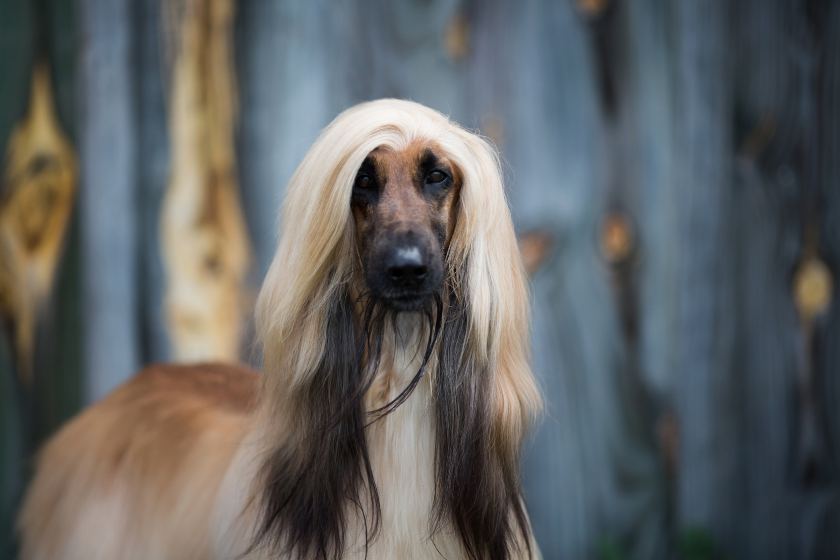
{"type": "Point", "coordinates": [436, 177]}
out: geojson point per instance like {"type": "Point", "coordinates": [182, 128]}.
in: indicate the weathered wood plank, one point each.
{"type": "Point", "coordinates": [704, 390]}
{"type": "Point", "coordinates": [772, 121]}
{"type": "Point", "coordinates": [825, 530]}
{"type": "Point", "coordinates": [204, 240]}
{"type": "Point", "coordinates": [754, 453]}
{"type": "Point", "coordinates": [152, 173]}
{"type": "Point", "coordinates": [286, 93]}
{"type": "Point", "coordinates": [107, 157]}
{"type": "Point", "coordinates": [593, 473]}
{"type": "Point", "coordinates": [55, 394]}
{"type": "Point", "coordinates": [684, 149]}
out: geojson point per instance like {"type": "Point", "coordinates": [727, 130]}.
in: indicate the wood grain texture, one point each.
{"type": "Point", "coordinates": [108, 166]}
{"type": "Point", "coordinates": [674, 379]}
{"type": "Point", "coordinates": [31, 414]}
{"type": "Point", "coordinates": [704, 398]}
{"type": "Point", "coordinates": [284, 109]}
{"type": "Point", "coordinates": [153, 150]}
{"type": "Point", "coordinates": [754, 448]}
{"type": "Point", "coordinates": [826, 350]}
{"type": "Point", "coordinates": [205, 243]}
{"type": "Point", "coordinates": [37, 197]}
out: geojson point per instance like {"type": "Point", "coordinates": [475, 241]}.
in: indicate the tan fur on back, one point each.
{"type": "Point", "coordinates": [135, 476]}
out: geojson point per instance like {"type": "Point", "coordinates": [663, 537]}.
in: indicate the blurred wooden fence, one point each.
{"type": "Point", "coordinates": [683, 155]}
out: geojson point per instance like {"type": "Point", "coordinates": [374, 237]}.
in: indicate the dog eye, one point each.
{"type": "Point", "coordinates": [364, 181]}
{"type": "Point", "coordinates": [436, 177]}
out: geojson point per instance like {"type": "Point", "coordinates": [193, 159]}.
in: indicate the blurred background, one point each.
{"type": "Point", "coordinates": [673, 171]}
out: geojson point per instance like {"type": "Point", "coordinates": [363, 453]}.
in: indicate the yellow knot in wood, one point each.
{"type": "Point", "coordinates": [38, 194]}
{"type": "Point", "coordinates": [535, 247]}
{"type": "Point", "coordinates": [616, 238]}
{"type": "Point", "coordinates": [813, 285]}
{"type": "Point", "coordinates": [592, 8]}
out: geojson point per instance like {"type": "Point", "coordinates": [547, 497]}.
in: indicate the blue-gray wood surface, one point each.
{"type": "Point", "coordinates": [712, 126]}
{"type": "Point", "coordinates": [108, 197]}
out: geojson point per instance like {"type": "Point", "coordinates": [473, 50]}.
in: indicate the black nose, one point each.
{"type": "Point", "coordinates": [406, 267]}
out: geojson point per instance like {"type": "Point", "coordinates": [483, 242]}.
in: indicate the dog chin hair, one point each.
{"type": "Point", "coordinates": [408, 303]}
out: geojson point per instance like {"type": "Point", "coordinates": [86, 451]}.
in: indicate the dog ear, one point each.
{"type": "Point", "coordinates": [308, 479]}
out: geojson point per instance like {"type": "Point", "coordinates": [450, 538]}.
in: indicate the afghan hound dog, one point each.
{"type": "Point", "coordinates": [395, 394]}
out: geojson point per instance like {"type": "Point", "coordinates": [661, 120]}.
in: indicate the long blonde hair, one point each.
{"type": "Point", "coordinates": [305, 325]}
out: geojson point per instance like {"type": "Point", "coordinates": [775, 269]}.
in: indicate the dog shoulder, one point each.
{"type": "Point", "coordinates": [135, 475]}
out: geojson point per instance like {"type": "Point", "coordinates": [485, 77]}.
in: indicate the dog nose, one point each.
{"type": "Point", "coordinates": [406, 267]}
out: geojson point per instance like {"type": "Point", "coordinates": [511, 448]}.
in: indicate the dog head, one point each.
{"type": "Point", "coordinates": [404, 205]}
{"type": "Point", "coordinates": [395, 209]}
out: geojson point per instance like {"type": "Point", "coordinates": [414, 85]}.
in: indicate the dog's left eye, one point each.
{"type": "Point", "coordinates": [436, 177]}
{"type": "Point", "coordinates": [364, 181]}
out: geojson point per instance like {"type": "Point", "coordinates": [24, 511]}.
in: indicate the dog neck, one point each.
{"type": "Point", "coordinates": [402, 454]}
{"type": "Point", "coordinates": [402, 447]}
{"type": "Point", "coordinates": [403, 348]}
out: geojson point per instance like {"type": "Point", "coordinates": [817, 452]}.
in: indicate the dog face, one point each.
{"type": "Point", "coordinates": [404, 206]}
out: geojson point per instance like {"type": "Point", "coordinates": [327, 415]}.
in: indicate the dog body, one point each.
{"type": "Point", "coordinates": [135, 476]}
{"type": "Point", "coordinates": [164, 466]}
{"type": "Point", "coordinates": [395, 393]}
